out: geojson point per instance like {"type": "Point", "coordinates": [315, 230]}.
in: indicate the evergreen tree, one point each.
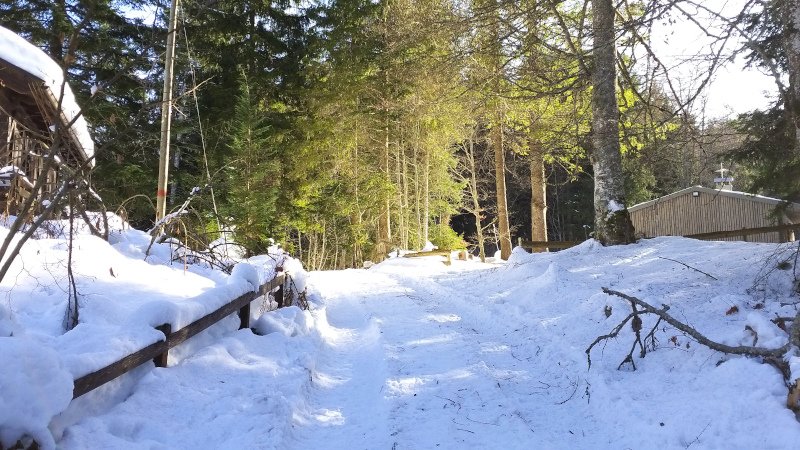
{"type": "Point", "coordinates": [109, 58]}
{"type": "Point", "coordinates": [772, 144]}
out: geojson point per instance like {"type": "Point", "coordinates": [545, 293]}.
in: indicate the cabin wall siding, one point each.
{"type": "Point", "coordinates": [685, 214]}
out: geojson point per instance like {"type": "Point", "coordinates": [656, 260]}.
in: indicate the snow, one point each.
{"type": "Point", "coordinates": [8, 172]}
{"type": "Point", "coordinates": [614, 206]}
{"type": "Point", "coordinates": [21, 53]}
{"type": "Point", "coordinates": [247, 273]}
{"type": "Point", "coordinates": [36, 386]}
{"type": "Point", "coordinates": [123, 295]}
{"type": "Point", "coordinates": [410, 354]}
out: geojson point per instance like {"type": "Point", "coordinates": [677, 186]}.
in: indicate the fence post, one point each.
{"type": "Point", "coordinates": [244, 316]}
{"type": "Point", "coordinates": [279, 295]}
{"type": "Point", "coordinates": [161, 360]}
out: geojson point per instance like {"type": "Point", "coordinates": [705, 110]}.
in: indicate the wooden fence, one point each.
{"type": "Point", "coordinates": [445, 253]}
{"type": "Point", "coordinates": [159, 351]}
{"type": "Point", "coordinates": [462, 254]}
{"type": "Point", "coordinates": [543, 245]}
{"type": "Point", "coordinates": [742, 233]}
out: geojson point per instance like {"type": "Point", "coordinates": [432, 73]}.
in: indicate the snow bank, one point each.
{"type": "Point", "coordinates": [428, 247]}
{"type": "Point", "coordinates": [291, 321]}
{"type": "Point", "coordinates": [681, 393]}
{"type": "Point", "coordinates": [123, 294]}
{"type": "Point", "coordinates": [483, 356]}
{"type": "Point", "coordinates": [245, 272]}
{"type": "Point", "coordinates": [242, 391]}
{"type": "Point", "coordinates": [35, 387]}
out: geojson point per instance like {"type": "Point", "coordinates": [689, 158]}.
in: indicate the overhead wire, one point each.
{"type": "Point", "coordinates": [200, 122]}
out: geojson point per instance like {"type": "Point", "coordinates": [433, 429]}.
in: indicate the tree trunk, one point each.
{"type": "Point", "coordinates": [612, 222]}
{"type": "Point", "coordinates": [58, 29]}
{"type": "Point", "coordinates": [405, 206]}
{"type": "Point", "coordinates": [417, 188]}
{"type": "Point", "coordinates": [357, 214]}
{"type": "Point", "coordinates": [384, 236]}
{"type": "Point", "coordinates": [792, 47]}
{"type": "Point", "coordinates": [477, 211]}
{"type": "Point", "coordinates": [504, 233]}
{"type": "Point", "coordinates": [384, 224]}
{"type": "Point", "coordinates": [426, 213]}
{"type": "Point", "coordinates": [496, 133]}
{"type": "Point", "coordinates": [538, 193]}
{"type": "Point", "coordinates": [401, 210]}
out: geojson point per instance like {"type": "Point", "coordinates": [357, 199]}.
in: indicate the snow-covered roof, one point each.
{"type": "Point", "coordinates": [723, 193]}
{"type": "Point", "coordinates": [16, 51]}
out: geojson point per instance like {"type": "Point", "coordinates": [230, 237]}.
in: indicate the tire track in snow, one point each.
{"type": "Point", "coordinates": [345, 408]}
{"type": "Point", "coordinates": [438, 375]}
{"type": "Point", "coordinates": [526, 374]}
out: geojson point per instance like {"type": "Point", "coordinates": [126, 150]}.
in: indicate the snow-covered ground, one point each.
{"type": "Point", "coordinates": [414, 354]}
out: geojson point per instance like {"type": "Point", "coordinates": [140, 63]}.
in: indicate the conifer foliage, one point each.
{"type": "Point", "coordinates": [347, 129]}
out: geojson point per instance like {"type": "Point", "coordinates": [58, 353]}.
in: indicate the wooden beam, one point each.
{"type": "Point", "coordinates": [743, 232]}
{"type": "Point", "coordinates": [428, 253]}
{"type": "Point", "coordinates": [548, 244]}
{"type": "Point", "coordinates": [204, 322]}
{"type": "Point", "coordinates": [98, 378]}
{"type": "Point", "coordinates": [280, 298]}
{"type": "Point", "coordinates": [446, 253]}
{"type": "Point", "coordinates": [158, 351]}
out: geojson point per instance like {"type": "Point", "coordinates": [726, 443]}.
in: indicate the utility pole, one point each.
{"type": "Point", "coordinates": [166, 115]}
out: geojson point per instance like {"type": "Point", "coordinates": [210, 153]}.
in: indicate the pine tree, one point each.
{"type": "Point", "coordinates": [109, 61]}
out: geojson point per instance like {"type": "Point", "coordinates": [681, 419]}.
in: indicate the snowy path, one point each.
{"type": "Point", "coordinates": [412, 361]}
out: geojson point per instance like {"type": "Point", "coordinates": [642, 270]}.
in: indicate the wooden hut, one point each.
{"type": "Point", "coordinates": [37, 111]}
{"type": "Point", "coordinates": [699, 209]}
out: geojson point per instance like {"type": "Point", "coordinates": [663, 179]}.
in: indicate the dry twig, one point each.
{"type": "Point", "coordinates": [690, 267]}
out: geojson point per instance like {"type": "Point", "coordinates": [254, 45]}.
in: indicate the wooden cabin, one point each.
{"type": "Point", "coordinates": [699, 209]}
{"type": "Point", "coordinates": [36, 113]}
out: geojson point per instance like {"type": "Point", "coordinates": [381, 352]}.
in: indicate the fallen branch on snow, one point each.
{"type": "Point", "coordinates": [773, 356]}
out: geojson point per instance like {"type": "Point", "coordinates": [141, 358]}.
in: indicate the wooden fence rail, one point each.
{"type": "Point", "coordinates": [445, 253]}
{"type": "Point", "coordinates": [541, 245]}
{"type": "Point", "coordinates": [742, 233]}
{"type": "Point", "coordinates": [158, 352]}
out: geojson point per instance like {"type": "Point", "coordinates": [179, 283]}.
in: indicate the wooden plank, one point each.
{"type": "Point", "coordinates": [743, 232]}
{"type": "Point", "coordinates": [446, 253]}
{"type": "Point", "coordinates": [428, 253]}
{"type": "Point", "coordinates": [548, 244]}
{"type": "Point", "coordinates": [204, 322]}
{"type": "Point", "coordinates": [159, 349]}
{"type": "Point", "coordinates": [96, 379]}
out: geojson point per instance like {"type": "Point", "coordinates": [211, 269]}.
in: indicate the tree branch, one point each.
{"type": "Point", "coordinates": [694, 334]}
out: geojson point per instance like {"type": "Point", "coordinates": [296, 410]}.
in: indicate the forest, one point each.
{"type": "Point", "coordinates": [346, 129]}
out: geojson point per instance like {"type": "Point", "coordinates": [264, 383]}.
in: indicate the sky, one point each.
{"type": "Point", "coordinates": [735, 88]}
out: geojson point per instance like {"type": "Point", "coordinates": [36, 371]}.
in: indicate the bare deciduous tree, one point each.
{"type": "Point", "coordinates": [612, 221]}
